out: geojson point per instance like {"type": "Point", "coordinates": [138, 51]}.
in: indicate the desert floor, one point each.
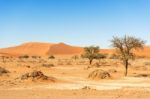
{"type": "Point", "coordinates": [71, 79]}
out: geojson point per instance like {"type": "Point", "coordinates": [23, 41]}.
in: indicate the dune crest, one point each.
{"type": "Point", "coordinates": [43, 49]}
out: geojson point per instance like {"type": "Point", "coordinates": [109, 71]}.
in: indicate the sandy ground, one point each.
{"type": "Point", "coordinates": [72, 80]}
{"type": "Point", "coordinates": [75, 94]}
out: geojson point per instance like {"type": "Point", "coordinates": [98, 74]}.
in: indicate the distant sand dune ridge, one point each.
{"type": "Point", "coordinates": [43, 49]}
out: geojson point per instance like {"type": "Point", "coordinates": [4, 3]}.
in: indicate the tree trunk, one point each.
{"type": "Point", "coordinates": [91, 61]}
{"type": "Point", "coordinates": [126, 66]}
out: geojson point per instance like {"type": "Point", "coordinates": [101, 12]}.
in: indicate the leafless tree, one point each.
{"type": "Point", "coordinates": [125, 46]}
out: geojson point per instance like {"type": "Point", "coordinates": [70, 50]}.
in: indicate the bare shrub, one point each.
{"type": "Point", "coordinates": [24, 57]}
{"type": "Point", "coordinates": [3, 71]}
{"type": "Point", "coordinates": [36, 57]}
{"type": "Point", "coordinates": [51, 57]}
{"type": "Point", "coordinates": [48, 65]}
{"type": "Point", "coordinates": [36, 75]}
{"type": "Point", "coordinates": [142, 75]}
{"type": "Point", "coordinates": [99, 74]}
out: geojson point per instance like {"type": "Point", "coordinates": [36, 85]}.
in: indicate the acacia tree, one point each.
{"type": "Point", "coordinates": [125, 46]}
{"type": "Point", "coordinates": [91, 53]}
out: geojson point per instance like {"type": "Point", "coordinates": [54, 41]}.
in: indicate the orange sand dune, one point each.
{"type": "Point", "coordinates": [145, 52]}
{"type": "Point", "coordinates": [107, 51]}
{"type": "Point", "coordinates": [62, 48]}
{"type": "Point", "coordinates": [33, 48]}
{"type": "Point", "coordinates": [141, 52]}
{"type": "Point", "coordinates": [43, 49]}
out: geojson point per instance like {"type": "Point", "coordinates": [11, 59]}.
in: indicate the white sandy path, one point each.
{"type": "Point", "coordinates": [128, 82]}
{"type": "Point", "coordinates": [108, 85]}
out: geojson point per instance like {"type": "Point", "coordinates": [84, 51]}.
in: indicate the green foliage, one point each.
{"type": "Point", "coordinates": [91, 53]}
{"type": "Point", "coordinates": [101, 56]}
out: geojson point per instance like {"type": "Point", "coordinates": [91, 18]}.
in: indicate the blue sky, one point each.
{"type": "Point", "coordinates": [75, 22]}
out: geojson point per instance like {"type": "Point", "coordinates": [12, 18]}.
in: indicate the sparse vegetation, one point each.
{"type": "Point", "coordinates": [37, 75]}
{"type": "Point", "coordinates": [75, 57]}
{"type": "Point", "coordinates": [87, 88]}
{"type": "Point", "coordinates": [48, 65]}
{"type": "Point", "coordinates": [99, 74]}
{"type": "Point", "coordinates": [125, 47]}
{"type": "Point", "coordinates": [3, 71]}
{"type": "Point", "coordinates": [35, 57]}
{"type": "Point", "coordinates": [101, 56]}
{"type": "Point", "coordinates": [92, 53]}
{"type": "Point", "coordinates": [142, 75]}
{"type": "Point", "coordinates": [51, 57]}
{"type": "Point", "coordinates": [24, 57]}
